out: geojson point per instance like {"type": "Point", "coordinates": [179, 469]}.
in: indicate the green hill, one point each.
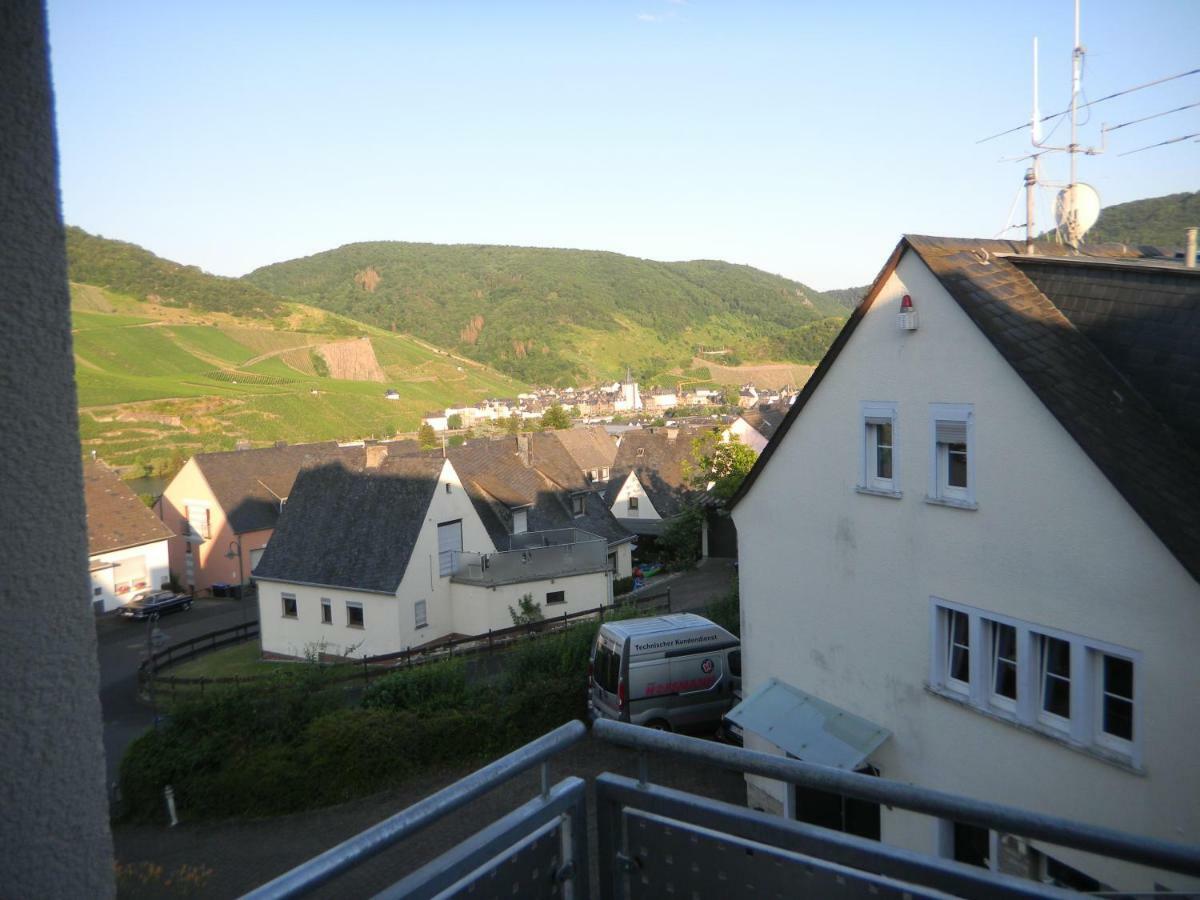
{"type": "Point", "coordinates": [1158, 221]}
{"type": "Point", "coordinates": [176, 361]}
{"type": "Point", "coordinates": [546, 315]}
{"type": "Point", "coordinates": [130, 270]}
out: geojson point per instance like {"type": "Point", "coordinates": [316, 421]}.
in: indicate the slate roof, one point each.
{"type": "Point", "coordinates": [497, 481]}
{"type": "Point", "coordinates": [765, 419]}
{"type": "Point", "coordinates": [249, 484]}
{"type": "Point", "coordinates": [591, 447]}
{"type": "Point", "coordinates": [352, 527]}
{"type": "Point", "coordinates": [116, 518]}
{"type": "Point", "coordinates": [1092, 334]}
{"type": "Point", "coordinates": [659, 467]}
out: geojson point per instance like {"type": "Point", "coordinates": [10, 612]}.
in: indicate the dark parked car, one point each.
{"type": "Point", "coordinates": [147, 603]}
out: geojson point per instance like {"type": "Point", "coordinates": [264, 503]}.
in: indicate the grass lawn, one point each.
{"type": "Point", "coordinates": [240, 659]}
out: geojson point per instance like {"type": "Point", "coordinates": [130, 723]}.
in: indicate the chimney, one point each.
{"type": "Point", "coordinates": [524, 450]}
{"type": "Point", "coordinates": [1189, 256]}
{"type": "Point", "coordinates": [376, 454]}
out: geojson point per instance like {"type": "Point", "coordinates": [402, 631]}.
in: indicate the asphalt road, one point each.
{"type": "Point", "coordinates": [122, 647]}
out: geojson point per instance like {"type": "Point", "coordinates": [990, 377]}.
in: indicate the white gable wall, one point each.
{"type": "Point", "coordinates": [633, 488]}
{"type": "Point", "coordinates": [836, 585]}
{"type": "Point", "coordinates": [749, 436]}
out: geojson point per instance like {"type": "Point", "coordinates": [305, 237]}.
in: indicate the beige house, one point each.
{"type": "Point", "coordinates": [973, 551]}
{"type": "Point", "coordinates": [224, 507]}
{"type": "Point", "coordinates": [127, 543]}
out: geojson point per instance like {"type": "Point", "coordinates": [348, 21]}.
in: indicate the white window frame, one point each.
{"type": "Point", "coordinates": [940, 490]}
{"type": "Point", "coordinates": [354, 604]}
{"type": "Point", "coordinates": [420, 614]}
{"type": "Point", "coordinates": [326, 611]}
{"type": "Point", "coordinates": [870, 411]}
{"type": "Point", "coordinates": [446, 557]}
{"type": "Point", "coordinates": [631, 506]}
{"type": "Point", "coordinates": [283, 605]}
{"type": "Point", "coordinates": [1084, 729]}
{"type": "Point", "coordinates": [520, 520]}
{"type": "Point", "coordinates": [578, 505]}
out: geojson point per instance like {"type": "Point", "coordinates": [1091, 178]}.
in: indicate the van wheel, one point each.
{"type": "Point", "coordinates": [659, 725]}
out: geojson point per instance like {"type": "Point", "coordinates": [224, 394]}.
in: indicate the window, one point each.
{"type": "Point", "coordinates": [1056, 677]}
{"type": "Point", "coordinates": [579, 504]}
{"type": "Point", "coordinates": [198, 521]}
{"type": "Point", "coordinates": [952, 461]}
{"type": "Point", "coordinates": [420, 619]}
{"type": "Point", "coordinates": [326, 611]}
{"type": "Point", "coordinates": [641, 451]}
{"type": "Point", "coordinates": [449, 543]}
{"type": "Point", "coordinates": [556, 597]}
{"type": "Point", "coordinates": [520, 521]}
{"type": "Point", "coordinates": [354, 614]}
{"type": "Point", "coordinates": [958, 649]}
{"type": "Point", "coordinates": [1004, 663]}
{"type": "Point", "coordinates": [633, 505]}
{"type": "Point", "coordinates": [289, 606]}
{"type": "Point", "coordinates": [1059, 684]}
{"type": "Point", "coordinates": [595, 475]}
{"type": "Point", "coordinates": [130, 575]}
{"type": "Point", "coordinates": [97, 591]}
{"type": "Point", "coordinates": [878, 465]}
{"type": "Point", "coordinates": [604, 473]}
{"type": "Point", "coordinates": [447, 487]}
{"type": "Point", "coordinates": [1116, 697]}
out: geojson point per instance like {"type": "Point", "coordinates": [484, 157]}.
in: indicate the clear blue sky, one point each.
{"type": "Point", "coordinates": [802, 138]}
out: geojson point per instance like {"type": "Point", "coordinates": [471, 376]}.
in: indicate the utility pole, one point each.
{"type": "Point", "coordinates": [1076, 74]}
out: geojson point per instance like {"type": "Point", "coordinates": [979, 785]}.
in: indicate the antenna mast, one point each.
{"type": "Point", "coordinates": [1076, 75]}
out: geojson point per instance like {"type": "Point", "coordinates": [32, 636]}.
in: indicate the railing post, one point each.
{"type": "Point", "coordinates": [668, 599]}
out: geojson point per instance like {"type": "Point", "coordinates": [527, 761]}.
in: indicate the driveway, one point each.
{"type": "Point", "coordinates": [122, 647]}
{"type": "Point", "coordinates": [692, 590]}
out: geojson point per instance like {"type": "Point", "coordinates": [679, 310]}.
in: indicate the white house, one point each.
{"type": "Point", "coordinates": [649, 484]}
{"type": "Point", "coordinates": [977, 537]}
{"type": "Point", "coordinates": [404, 551]}
{"type": "Point", "coordinates": [757, 425]}
{"type": "Point", "coordinates": [128, 548]}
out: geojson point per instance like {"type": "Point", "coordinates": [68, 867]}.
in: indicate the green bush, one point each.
{"type": "Point", "coordinates": [726, 611]}
{"type": "Point", "coordinates": [440, 684]}
{"type": "Point", "coordinates": [622, 585]}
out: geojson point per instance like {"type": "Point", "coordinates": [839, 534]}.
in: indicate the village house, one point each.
{"type": "Point", "coordinates": [756, 426]}
{"type": "Point", "coordinates": [127, 543]}
{"type": "Point", "coordinates": [974, 545]}
{"type": "Point", "coordinates": [649, 485]}
{"type": "Point", "coordinates": [224, 507]}
{"type": "Point", "coordinates": [397, 551]}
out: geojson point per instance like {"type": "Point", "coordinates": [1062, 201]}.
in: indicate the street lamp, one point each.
{"type": "Point", "coordinates": [235, 549]}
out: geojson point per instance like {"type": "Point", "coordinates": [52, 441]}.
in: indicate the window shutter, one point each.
{"type": "Point", "coordinates": [879, 420]}
{"type": "Point", "coordinates": [951, 432]}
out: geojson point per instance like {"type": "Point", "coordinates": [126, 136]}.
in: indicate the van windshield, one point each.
{"type": "Point", "coordinates": [606, 669]}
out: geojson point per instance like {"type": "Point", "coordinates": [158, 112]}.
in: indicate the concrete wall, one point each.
{"type": "Point", "coordinates": [480, 609]}
{"type": "Point", "coordinates": [836, 584]}
{"type": "Point", "coordinates": [54, 829]}
{"type": "Point", "coordinates": [306, 635]}
{"type": "Point", "coordinates": [158, 572]}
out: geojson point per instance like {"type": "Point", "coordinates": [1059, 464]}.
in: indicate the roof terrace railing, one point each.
{"type": "Point", "coordinates": [654, 841]}
{"type": "Point", "coordinates": [535, 556]}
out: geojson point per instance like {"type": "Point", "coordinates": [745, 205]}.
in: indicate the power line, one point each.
{"type": "Point", "coordinates": [1161, 144]}
{"type": "Point", "coordinates": [1093, 103]}
{"type": "Point", "coordinates": [1155, 116]}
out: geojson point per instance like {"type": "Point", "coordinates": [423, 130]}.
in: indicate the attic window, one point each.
{"type": "Point", "coordinates": [447, 487]}
{"type": "Point", "coordinates": [520, 521]}
{"type": "Point", "coordinates": [579, 504]}
{"type": "Point", "coordinates": [641, 451]}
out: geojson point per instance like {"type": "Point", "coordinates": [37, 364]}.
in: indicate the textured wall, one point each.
{"type": "Point", "coordinates": [54, 826]}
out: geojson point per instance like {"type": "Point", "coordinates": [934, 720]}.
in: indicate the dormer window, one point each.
{"type": "Point", "coordinates": [520, 521]}
{"type": "Point", "coordinates": [641, 451]}
{"type": "Point", "coordinates": [579, 504]}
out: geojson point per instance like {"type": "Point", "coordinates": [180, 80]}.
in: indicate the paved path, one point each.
{"type": "Point", "coordinates": [692, 590]}
{"type": "Point", "coordinates": [122, 647]}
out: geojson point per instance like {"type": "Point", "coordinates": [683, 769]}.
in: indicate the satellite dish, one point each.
{"type": "Point", "coordinates": [1076, 209]}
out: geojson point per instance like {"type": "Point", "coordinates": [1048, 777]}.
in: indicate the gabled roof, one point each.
{"type": "Point", "coordinates": [116, 518]}
{"type": "Point", "coordinates": [497, 480]}
{"type": "Point", "coordinates": [350, 526]}
{"type": "Point", "coordinates": [765, 419]}
{"type": "Point", "coordinates": [1128, 404]}
{"type": "Point", "coordinates": [657, 458]}
{"type": "Point", "coordinates": [249, 484]}
{"type": "Point", "coordinates": [591, 447]}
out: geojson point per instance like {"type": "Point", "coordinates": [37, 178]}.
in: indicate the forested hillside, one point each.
{"type": "Point", "coordinates": [1159, 221]}
{"type": "Point", "coordinates": [128, 269]}
{"type": "Point", "coordinates": [547, 315]}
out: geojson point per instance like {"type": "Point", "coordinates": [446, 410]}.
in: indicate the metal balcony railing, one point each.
{"type": "Point", "coordinates": [534, 556]}
{"type": "Point", "coordinates": [653, 841]}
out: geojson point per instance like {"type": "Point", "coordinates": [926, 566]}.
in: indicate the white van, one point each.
{"type": "Point", "coordinates": [675, 672]}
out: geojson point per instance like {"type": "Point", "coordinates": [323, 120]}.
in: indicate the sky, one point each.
{"type": "Point", "coordinates": [802, 138]}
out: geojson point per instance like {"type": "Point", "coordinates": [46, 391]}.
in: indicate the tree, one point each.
{"type": "Point", "coordinates": [528, 613]}
{"type": "Point", "coordinates": [427, 436]}
{"type": "Point", "coordinates": [512, 424]}
{"type": "Point", "coordinates": [721, 463]}
{"type": "Point", "coordinates": [556, 417]}
{"type": "Point", "coordinates": [454, 423]}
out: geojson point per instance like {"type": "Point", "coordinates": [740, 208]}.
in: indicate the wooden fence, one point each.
{"type": "Point", "coordinates": [491, 642]}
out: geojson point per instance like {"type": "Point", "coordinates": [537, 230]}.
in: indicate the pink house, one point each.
{"type": "Point", "coordinates": [226, 505]}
